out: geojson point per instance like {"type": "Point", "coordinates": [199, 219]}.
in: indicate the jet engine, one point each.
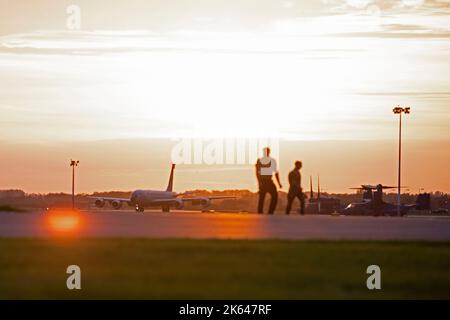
{"type": "Point", "coordinates": [99, 203]}
{"type": "Point", "coordinates": [179, 204]}
{"type": "Point", "coordinates": [116, 204]}
{"type": "Point", "coordinates": [205, 203]}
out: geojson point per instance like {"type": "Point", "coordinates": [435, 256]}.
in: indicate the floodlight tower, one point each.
{"type": "Point", "coordinates": [73, 164]}
{"type": "Point", "coordinates": [399, 110]}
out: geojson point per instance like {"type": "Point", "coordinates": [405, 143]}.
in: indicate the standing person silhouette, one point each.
{"type": "Point", "coordinates": [295, 188]}
{"type": "Point", "coordinates": [266, 166]}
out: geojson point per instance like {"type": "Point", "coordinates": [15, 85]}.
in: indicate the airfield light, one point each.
{"type": "Point", "coordinates": [73, 164]}
{"type": "Point", "coordinates": [399, 110]}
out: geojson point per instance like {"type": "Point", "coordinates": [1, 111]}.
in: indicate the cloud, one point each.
{"type": "Point", "coordinates": [108, 42]}
{"type": "Point", "coordinates": [200, 15]}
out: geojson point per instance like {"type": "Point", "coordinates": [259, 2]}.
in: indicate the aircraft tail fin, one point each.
{"type": "Point", "coordinates": [318, 193]}
{"type": "Point", "coordinates": [423, 201]}
{"type": "Point", "coordinates": [170, 185]}
{"type": "Point", "coordinates": [318, 187]}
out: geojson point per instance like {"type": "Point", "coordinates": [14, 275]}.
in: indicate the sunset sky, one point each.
{"type": "Point", "coordinates": [320, 75]}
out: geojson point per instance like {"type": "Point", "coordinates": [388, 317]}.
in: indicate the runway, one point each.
{"type": "Point", "coordinates": [182, 224]}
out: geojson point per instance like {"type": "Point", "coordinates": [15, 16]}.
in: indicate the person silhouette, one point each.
{"type": "Point", "coordinates": [266, 167]}
{"type": "Point", "coordinates": [295, 188]}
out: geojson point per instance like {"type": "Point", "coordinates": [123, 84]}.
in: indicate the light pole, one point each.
{"type": "Point", "coordinates": [399, 110]}
{"type": "Point", "coordinates": [73, 164]}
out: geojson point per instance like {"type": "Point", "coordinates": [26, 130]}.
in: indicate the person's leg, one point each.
{"type": "Point", "coordinates": [301, 197]}
{"type": "Point", "coordinates": [290, 199]}
{"type": "Point", "coordinates": [273, 197]}
{"type": "Point", "coordinates": [261, 197]}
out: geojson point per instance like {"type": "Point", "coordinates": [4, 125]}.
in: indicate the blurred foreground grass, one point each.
{"type": "Point", "coordinates": [222, 269]}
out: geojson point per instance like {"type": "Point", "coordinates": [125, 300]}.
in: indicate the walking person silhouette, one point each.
{"type": "Point", "coordinates": [266, 167]}
{"type": "Point", "coordinates": [295, 188]}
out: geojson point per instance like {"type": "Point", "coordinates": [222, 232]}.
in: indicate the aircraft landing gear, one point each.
{"type": "Point", "coordinates": [139, 209]}
{"type": "Point", "coordinates": [166, 209]}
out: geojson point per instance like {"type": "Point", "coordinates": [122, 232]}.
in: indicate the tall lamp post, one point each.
{"type": "Point", "coordinates": [399, 110]}
{"type": "Point", "coordinates": [73, 164]}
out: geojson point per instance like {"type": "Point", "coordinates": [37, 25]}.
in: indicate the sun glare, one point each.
{"type": "Point", "coordinates": [63, 220]}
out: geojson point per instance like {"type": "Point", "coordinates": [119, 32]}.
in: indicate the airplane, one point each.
{"type": "Point", "coordinates": [368, 193]}
{"type": "Point", "coordinates": [324, 205]}
{"type": "Point", "coordinates": [373, 204]}
{"type": "Point", "coordinates": [141, 199]}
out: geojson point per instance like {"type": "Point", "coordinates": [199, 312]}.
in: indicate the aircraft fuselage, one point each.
{"type": "Point", "coordinates": [148, 198]}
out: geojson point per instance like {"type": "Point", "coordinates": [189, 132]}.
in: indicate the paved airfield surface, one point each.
{"type": "Point", "coordinates": [184, 224]}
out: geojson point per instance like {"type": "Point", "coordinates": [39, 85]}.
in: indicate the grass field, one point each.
{"type": "Point", "coordinates": [228, 269]}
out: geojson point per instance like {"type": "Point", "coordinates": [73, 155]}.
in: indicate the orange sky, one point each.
{"type": "Point", "coordinates": [132, 164]}
{"type": "Point", "coordinates": [306, 72]}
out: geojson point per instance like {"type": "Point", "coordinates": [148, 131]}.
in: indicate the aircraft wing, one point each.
{"type": "Point", "coordinates": [207, 198]}
{"type": "Point", "coordinates": [178, 202]}
{"type": "Point", "coordinates": [110, 199]}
